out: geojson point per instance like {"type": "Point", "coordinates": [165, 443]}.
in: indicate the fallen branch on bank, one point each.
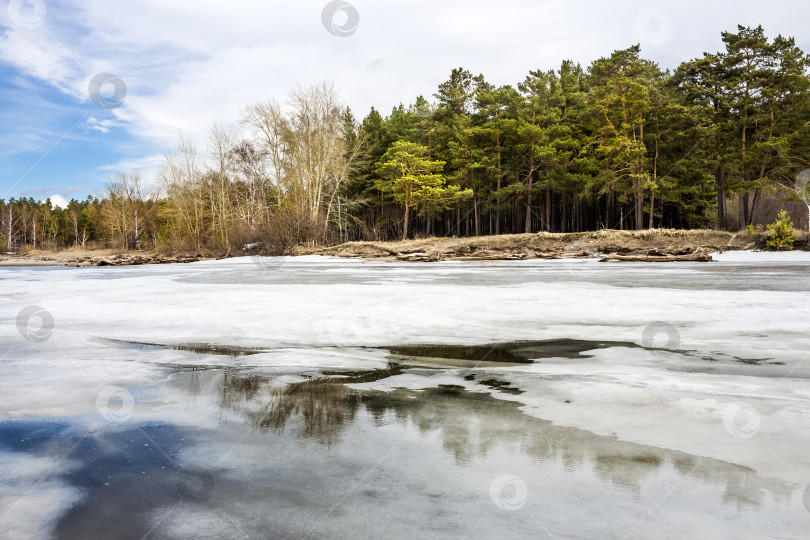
{"type": "Point", "coordinates": [693, 257]}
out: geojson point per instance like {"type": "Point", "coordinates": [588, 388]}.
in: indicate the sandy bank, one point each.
{"type": "Point", "coordinates": [649, 245]}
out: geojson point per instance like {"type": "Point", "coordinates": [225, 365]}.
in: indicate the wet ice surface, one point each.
{"type": "Point", "coordinates": [324, 398]}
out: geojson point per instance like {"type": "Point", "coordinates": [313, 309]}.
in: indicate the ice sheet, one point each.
{"type": "Point", "coordinates": [711, 341]}
{"type": "Point", "coordinates": [767, 257]}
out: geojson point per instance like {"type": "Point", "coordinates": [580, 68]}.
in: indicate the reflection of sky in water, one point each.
{"type": "Point", "coordinates": [315, 458]}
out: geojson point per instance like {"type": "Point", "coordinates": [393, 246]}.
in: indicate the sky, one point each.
{"type": "Point", "coordinates": [90, 88]}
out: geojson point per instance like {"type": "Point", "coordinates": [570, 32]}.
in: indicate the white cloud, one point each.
{"type": "Point", "coordinates": [102, 126]}
{"type": "Point", "coordinates": [32, 495]}
{"type": "Point", "coordinates": [135, 165]}
{"type": "Point", "coordinates": [57, 201]}
{"type": "Point", "coordinates": [147, 167]}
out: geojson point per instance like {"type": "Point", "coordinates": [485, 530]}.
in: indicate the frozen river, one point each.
{"type": "Point", "coordinates": [326, 398]}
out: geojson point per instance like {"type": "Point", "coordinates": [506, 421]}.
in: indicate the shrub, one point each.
{"type": "Point", "coordinates": [780, 233]}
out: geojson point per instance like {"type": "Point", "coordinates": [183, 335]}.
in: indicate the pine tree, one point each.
{"type": "Point", "coordinates": [415, 181]}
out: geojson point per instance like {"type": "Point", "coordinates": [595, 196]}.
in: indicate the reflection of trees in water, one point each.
{"type": "Point", "coordinates": [317, 409]}
{"type": "Point", "coordinates": [320, 408]}
{"type": "Point", "coordinates": [194, 385]}
{"type": "Point", "coordinates": [471, 425]}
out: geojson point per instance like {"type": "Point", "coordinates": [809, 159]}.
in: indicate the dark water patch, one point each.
{"type": "Point", "coordinates": [570, 349]}
{"type": "Point", "coordinates": [754, 361]}
{"type": "Point", "coordinates": [200, 348]}
{"type": "Point", "coordinates": [138, 345]}
{"type": "Point", "coordinates": [225, 350]}
{"type": "Point", "coordinates": [503, 354]}
{"type": "Point", "coordinates": [125, 475]}
{"type": "Point", "coordinates": [502, 386]}
{"type": "Point", "coordinates": [494, 354]}
{"type": "Point", "coordinates": [643, 459]}
{"type": "Point", "coordinates": [509, 353]}
{"type": "Point", "coordinates": [720, 360]}
{"type": "Point", "coordinates": [365, 376]}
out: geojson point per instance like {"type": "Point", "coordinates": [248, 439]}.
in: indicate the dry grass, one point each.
{"type": "Point", "coordinates": [538, 244]}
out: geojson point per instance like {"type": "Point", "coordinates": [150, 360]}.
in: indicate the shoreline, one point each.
{"type": "Point", "coordinates": [75, 258]}
{"type": "Point", "coordinates": [657, 245]}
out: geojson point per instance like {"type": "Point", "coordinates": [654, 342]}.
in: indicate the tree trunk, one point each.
{"type": "Point", "coordinates": [475, 211]}
{"type": "Point", "coordinates": [529, 205]}
{"type": "Point", "coordinates": [746, 214]}
{"type": "Point", "coordinates": [808, 216]}
{"type": "Point", "coordinates": [755, 206]}
{"type": "Point", "coordinates": [720, 176]}
{"type": "Point", "coordinates": [564, 216]}
{"type": "Point", "coordinates": [405, 222]}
